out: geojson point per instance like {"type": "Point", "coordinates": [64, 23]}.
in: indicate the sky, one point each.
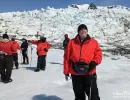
{"type": "Point", "coordinates": [24, 5]}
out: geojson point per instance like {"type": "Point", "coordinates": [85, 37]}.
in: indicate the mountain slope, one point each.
{"type": "Point", "coordinates": [109, 25]}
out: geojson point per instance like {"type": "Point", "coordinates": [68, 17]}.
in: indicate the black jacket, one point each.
{"type": "Point", "coordinates": [65, 42]}
{"type": "Point", "coordinates": [24, 45]}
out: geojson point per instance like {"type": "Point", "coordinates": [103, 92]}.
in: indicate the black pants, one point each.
{"type": "Point", "coordinates": [6, 66]}
{"type": "Point", "coordinates": [15, 59]}
{"type": "Point", "coordinates": [25, 56]}
{"type": "Point", "coordinates": [41, 62]}
{"type": "Point", "coordinates": [81, 86]}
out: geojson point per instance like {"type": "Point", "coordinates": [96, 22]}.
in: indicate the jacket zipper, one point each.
{"type": "Point", "coordinates": [81, 45]}
{"type": "Point", "coordinates": [80, 50]}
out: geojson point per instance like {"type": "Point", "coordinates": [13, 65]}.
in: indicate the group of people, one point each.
{"type": "Point", "coordinates": [81, 56]}
{"type": "Point", "coordinates": [9, 55]}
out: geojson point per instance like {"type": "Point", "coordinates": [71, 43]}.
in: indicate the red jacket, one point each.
{"type": "Point", "coordinates": [41, 46]}
{"type": "Point", "coordinates": [7, 46]}
{"type": "Point", "coordinates": [89, 51]}
{"type": "Point", "coordinates": [16, 46]}
{"type": "Point", "coordinates": [0, 46]}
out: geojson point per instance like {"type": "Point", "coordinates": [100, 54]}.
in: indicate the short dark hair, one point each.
{"type": "Point", "coordinates": [82, 26]}
{"type": "Point", "coordinates": [5, 36]}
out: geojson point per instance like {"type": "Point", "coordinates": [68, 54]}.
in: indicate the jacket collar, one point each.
{"type": "Point", "coordinates": [77, 39]}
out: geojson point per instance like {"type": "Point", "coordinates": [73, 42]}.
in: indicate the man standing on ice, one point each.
{"type": "Point", "coordinates": [24, 48]}
{"type": "Point", "coordinates": [16, 47]}
{"type": "Point", "coordinates": [6, 59]}
{"type": "Point", "coordinates": [42, 49]}
{"type": "Point", "coordinates": [81, 57]}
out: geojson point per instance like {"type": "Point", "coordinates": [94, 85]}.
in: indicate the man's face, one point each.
{"type": "Point", "coordinates": [23, 40]}
{"type": "Point", "coordinates": [83, 33]}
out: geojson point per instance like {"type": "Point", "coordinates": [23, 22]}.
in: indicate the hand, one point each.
{"type": "Point", "coordinates": [45, 50]}
{"type": "Point", "coordinates": [92, 65]}
{"type": "Point", "coordinates": [29, 40]}
{"type": "Point", "coordinates": [66, 77]}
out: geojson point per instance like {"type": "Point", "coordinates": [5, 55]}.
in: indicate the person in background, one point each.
{"type": "Point", "coordinates": [24, 48]}
{"type": "Point", "coordinates": [16, 46]}
{"type": "Point", "coordinates": [42, 49]}
{"type": "Point", "coordinates": [6, 59]}
{"type": "Point", "coordinates": [66, 41]}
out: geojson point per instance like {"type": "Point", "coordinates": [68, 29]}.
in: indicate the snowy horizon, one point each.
{"type": "Point", "coordinates": [52, 7]}
{"type": "Point", "coordinates": [26, 5]}
{"type": "Point", "coordinates": [108, 25]}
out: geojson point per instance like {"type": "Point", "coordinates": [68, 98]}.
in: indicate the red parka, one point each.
{"type": "Point", "coordinates": [7, 46]}
{"type": "Point", "coordinates": [16, 46]}
{"type": "Point", "coordinates": [75, 51]}
{"type": "Point", "coordinates": [41, 46]}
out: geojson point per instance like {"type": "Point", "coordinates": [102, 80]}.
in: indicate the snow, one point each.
{"type": "Point", "coordinates": [113, 80]}
{"type": "Point", "coordinates": [104, 24]}
{"type": "Point", "coordinates": [110, 26]}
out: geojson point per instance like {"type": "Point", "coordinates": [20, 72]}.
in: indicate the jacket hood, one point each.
{"type": "Point", "coordinates": [77, 39]}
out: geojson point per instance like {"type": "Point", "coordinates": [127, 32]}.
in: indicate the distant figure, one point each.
{"type": "Point", "coordinates": [66, 41]}
{"type": "Point", "coordinates": [6, 59]}
{"type": "Point", "coordinates": [24, 48]}
{"type": "Point", "coordinates": [42, 49]}
{"type": "Point", "coordinates": [16, 46]}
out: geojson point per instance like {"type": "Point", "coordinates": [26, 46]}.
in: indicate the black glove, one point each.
{"type": "Point", "coordinates": [92, 65]}
{"type": "Point", "coordinates": [67, 76]}
{"type": "Point", "coordinates": [28, 40]}
{"type": "Point", "coordinates": [45, 50]}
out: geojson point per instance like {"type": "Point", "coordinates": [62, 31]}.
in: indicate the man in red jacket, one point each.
{"type": "Point", "coordinates": [81, 57]}
{"type": "Point", "coordinates": [42, 49]}
{"type": "Point", "coordinates": [16, 47]}
{"type": "Point", "coordinates": [6, 59]}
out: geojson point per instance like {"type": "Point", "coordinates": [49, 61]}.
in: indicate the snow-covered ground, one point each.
{"type": "Point", "coordinates": [113, 80]}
